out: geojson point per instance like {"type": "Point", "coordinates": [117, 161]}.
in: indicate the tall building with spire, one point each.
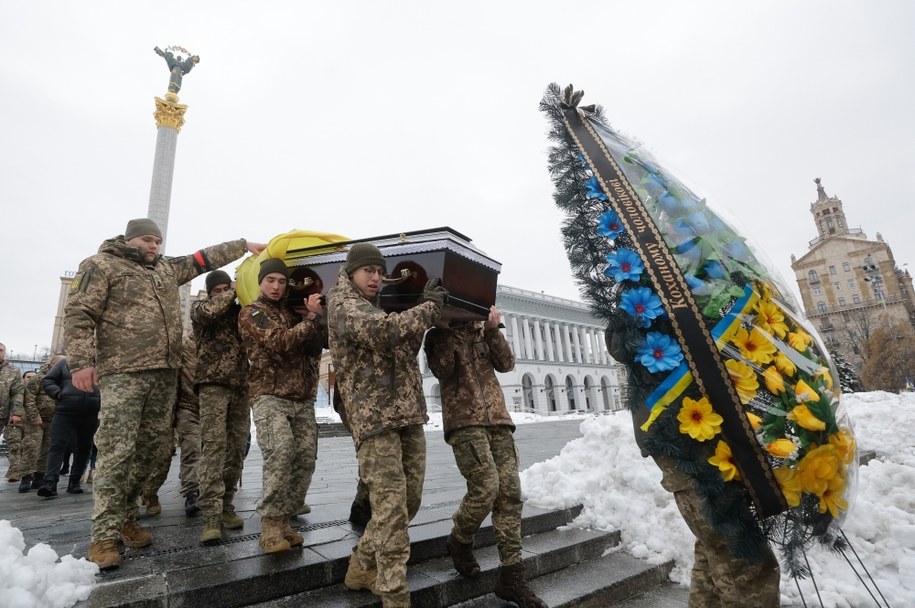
{"type": "Point", "coordinates": [848, 283]}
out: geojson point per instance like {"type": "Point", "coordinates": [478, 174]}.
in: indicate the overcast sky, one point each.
{"type": "Point", "coordinates": [366, 118]}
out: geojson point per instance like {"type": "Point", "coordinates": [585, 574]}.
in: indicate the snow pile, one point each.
{"type": "Point", "coordinates": [619, 490]}
{"type": "Point", "coordinates": [37, 579]}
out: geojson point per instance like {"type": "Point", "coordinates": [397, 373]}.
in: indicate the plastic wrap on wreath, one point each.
{"type": "Point", "coordinates": [635, 235]}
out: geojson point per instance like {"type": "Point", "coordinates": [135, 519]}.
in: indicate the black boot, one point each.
{"type": "Point", "coordinates": [37, 478]}
{"type": "Point", "coordinates": [360, 513]}
{"type": "Point", "coordinates": [512, 587]}
{"type": "Point", "coordinates": [462, 557]}
{"type": "Point", "coordinates": [190, 504]}
{"type": "Point", "coordinates": [73, 487]}
{"type": "Point", "coordinates": [47, 489]}
{"type": "Point", "coordinates": [25, 484]}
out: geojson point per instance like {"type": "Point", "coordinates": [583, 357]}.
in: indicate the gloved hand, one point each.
{"type": "Point", "coordinates": [434, 292]}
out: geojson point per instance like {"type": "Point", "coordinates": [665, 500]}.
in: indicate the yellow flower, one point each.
{"type": "Point", "coordinates": [698, 420]}
{"type": "Point", "coordinates": [785, 365]}
{"type": "Point", "coordinates": [724, 461]}
{"type": "Point", "coordinates": [833, 498]}
{"type": "Point", "coordinates": [803, 392]}
{"type": "Point", "coordinates": [805, 418]}
{"type": "Point", "coordinates": [790, 485]}
{"type": "Point", "coordinates": [754, 346]}
{"type": "Point", "coordinates": [781, 448]}
{"type": "Point", "coordinates": [817, 468]}
{"type": "Point", "coordinates": [824, 375]}
{"type": "Point", "coordinates": [799, 340]}
{"type": "Point", "coordinates": [744, 379]}
{"type": "Point", "coordinates": [774, 381]}
{"type": "Point", "coordinates": [771, 319]}
{"type": "Point", "coordinates": [845, 446]}
{"type": "Point", "coordinates": [755, 421]}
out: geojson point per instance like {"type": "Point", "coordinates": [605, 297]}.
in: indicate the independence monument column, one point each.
{"type": "Point", "coordinates": [169, 117]}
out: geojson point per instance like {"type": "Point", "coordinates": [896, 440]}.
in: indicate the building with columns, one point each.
{"type": "Point", "coordinates": [848, 283]}
{"type": "Point", "coordinates": [561, 361]}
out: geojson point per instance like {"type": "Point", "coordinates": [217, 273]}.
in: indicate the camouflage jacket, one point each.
{"type": "Point", "coordinates": [465, 360]}
{"type": "Point", "coordinates": [220, 356]}
{"type": "Point", "coordinates": [10, 390]}
{"type": "Point", "coordinates": [374, 357]}
{"type": "Point", "coordinates": [123, 315]}
{"type": "Point", "coordinates": [37, 404]}
{"type": "Point", "coordinates": [284, 350]}
{"type": "Point", "coordinates": [187, 394]}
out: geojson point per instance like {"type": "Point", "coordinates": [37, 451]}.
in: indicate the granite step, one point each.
{"type": "Point", "coordinates": [614, 579]}
{"type": "Point", "coordinates": [236, 573]}
{"type": "Point", "coordinates": [434, 582]}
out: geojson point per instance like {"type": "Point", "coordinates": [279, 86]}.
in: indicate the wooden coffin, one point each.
{"type": "Point", "coordinates": [412, 259]}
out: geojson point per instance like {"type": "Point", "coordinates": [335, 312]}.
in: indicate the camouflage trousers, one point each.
{"type": "Point", "coordinates": [288, 437]}
{"type": "Point", "coordinates": [362, 490]}
{"type": "Point", "coordinates": [225, 421]}
{"type": "Point", "coordinates": [393, 466]}
{"type": "Point", "coordinates": [33, 452]}
{"type": "Point", "coordinates": [186, 437]}
{"type": "Point", "coordinates": [133, 425]}
{"type": "Point", "coordinates": [719, 580]}
{"type": "Point", "coordinates": [13, 435]}
{"type": "Point", "coordinates": [488, 460]}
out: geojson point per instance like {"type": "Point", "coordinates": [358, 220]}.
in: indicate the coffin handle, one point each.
{"type": "Point", "coordinates": [306, 282]}
{"type": "Point", "coordinates": [405, 273]}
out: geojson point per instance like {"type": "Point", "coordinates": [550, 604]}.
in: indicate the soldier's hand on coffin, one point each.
{"type": "Point", "coordinates": [313, 304]}
{"type": "Point", "coordinates": [494, 319]}
{"type": "Point", "coordinates": [434, 292]}
{"type": "Point", "coordinates": [255, 248]}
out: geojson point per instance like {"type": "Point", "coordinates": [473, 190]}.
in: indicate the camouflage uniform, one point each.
{"type": "Point", "coordinates": [123, 318]}
{"type": "Point", "coordinates": [10, 396]}
{"type": "Point", "coordinates": [718, 579]}
{"type": "Point", "coordinates": [479, 429]}
{"type": "Point", "coordinates": [36, 438]}
{"type": "Point", "coordinates": [225, 413]}
{"type": "Point", "coordinates": [186, 421]}
{"type": "Point", "coordinates": [374, 357]}
{"type": "Point", "coordinates": [284, 350]}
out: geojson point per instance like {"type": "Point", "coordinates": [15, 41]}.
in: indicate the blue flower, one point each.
{"type": "Point", "coordinates": [697, 286]}
{"type": "Point", "coordinates": [669, 203]}
{"type": "Point", "coordinates": [699, 222]}
{"type": "Point", "coordinates": [737, 250]}
{"type": "Point", "coordinates": [659, 353]}
{"type": "Point", "coordinates": [683, 228]}
{"type": "Point", "coordinates": [715, 270]}
{"type": "Point", "coordinates": [624, 265]}
{"type": "Point", "coordinates": [609, 224]}
{"type": "Point", "coordinates": [643, 304]}
{"type": "Point", "coordinates": [594, 190]}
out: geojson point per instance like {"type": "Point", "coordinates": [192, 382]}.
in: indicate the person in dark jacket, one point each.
{"type": "Point", "coordinates": [73, 426]}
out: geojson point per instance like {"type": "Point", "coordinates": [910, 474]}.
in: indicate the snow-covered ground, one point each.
{"type": "Point", "coordinates": [620, 490]}
{"type": "Point", "coordinates": [604, 472]}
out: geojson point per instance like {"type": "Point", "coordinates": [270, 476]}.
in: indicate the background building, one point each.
{"type": "Point", "coordinates": [848, 283]}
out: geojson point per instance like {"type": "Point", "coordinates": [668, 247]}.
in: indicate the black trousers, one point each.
{"type": "Point", "coordinates": [70, 433]}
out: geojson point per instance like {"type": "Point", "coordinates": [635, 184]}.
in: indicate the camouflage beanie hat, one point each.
{"type": "Point", "coordinates": [141, 227]}
{"type": "Point", "coordinates": [363, 254]}
{"type": "Point", "coordinates": [217, 277]}
{"type": "Point", "coordinates": [272, 265]}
